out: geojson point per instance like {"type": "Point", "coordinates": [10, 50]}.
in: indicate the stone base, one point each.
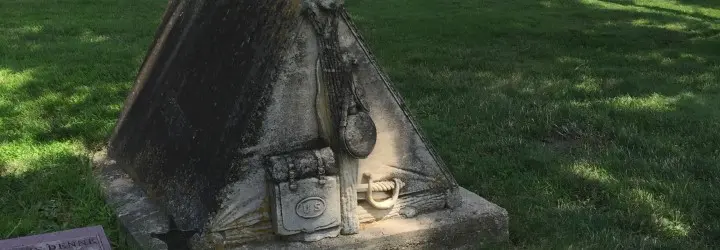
{"type": "Point", "coordinates": [137, 216]}
{"type": "Point", "coordinates": [474, 223]}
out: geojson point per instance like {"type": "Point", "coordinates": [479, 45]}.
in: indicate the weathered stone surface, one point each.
{"type": "Point", "coordinates": [225, 86]}
{"type": "Point", "coordinates": [474, 223]}
{"type": "Point", "coordinates": [138, 216]}
{"type": "Point", "coordinates": [201, 95]}
{"type": "Point", "coordinates": [290, 204]}
{"type": "Point", "coordinates": [306, 163]}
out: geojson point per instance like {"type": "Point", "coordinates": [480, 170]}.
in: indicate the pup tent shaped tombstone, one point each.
{"type": "Point", "coordinates": [252, 121]}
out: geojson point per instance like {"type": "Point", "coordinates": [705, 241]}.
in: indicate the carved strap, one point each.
{"type": "Point", "coordinates": [320, 168]}
{"type": "Point", "coordinates": [352, 124]}
{"type": "Point", "coordinates": [291, 173]}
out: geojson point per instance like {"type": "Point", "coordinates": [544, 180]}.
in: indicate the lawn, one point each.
{"type": "Point", "coordinates": [595, 123]}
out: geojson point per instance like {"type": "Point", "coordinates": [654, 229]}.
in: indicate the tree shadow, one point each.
{"type": "Point", "coordinates": [68, 66]}
{"type": "Point", "coordinates": [54, 191]}
{"type": "Point", "coordinates": [65, 69]}
{"type": "Point", "coordinates": [594, 123]}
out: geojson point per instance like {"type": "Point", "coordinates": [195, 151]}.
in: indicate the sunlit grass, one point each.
{"type": "Point", "coordinates": [654, 102]}
{"type": "Point", "coordinates": [593, 172]}
{"type": "Point", "coordinates": [669, 7]}
{"type": "Point", "coordinates": [596, 123]}
{"type": "Point", "coordinates": [65, 68]}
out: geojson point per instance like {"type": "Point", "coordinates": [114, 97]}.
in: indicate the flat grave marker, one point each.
{"type": "Point", "coordinates": [86, 238]}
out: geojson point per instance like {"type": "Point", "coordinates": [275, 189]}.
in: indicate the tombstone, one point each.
{"type": "Point", "coordinates": [270, 124]}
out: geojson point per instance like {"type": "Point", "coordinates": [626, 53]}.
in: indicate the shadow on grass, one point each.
{"type": "Point", "coordinates": [68, 66]}
{"type": "Point", "coordinates": [55, 191]}
{"type": "Point", "coordinates": [593, 122]}
{"type": "Point", "coordinates": [65, 69]}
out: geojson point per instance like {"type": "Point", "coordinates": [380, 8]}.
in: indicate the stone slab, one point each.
{"type": "Point", "coordinates": [138, 217]}
{"type": "Point", "coordinates": [86, 238]}
{"type": "Point", "coordinates": [475, 222]}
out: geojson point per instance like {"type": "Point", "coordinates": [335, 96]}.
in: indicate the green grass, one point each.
{"type": "Point", "coordinates": [595, 123]}
{"type": "Point", "coordinates": [65, 69]}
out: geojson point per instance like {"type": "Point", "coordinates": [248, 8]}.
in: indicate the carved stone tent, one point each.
{"type": "Point", "coordinates": [267, 122]}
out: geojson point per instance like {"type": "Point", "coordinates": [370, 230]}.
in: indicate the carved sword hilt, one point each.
{"type": "Point", "coordinates": [381, 186]}
{"type": "Point", "coordinates": [373, 186]}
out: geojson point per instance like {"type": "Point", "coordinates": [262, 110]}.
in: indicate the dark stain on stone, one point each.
{"type": "Point", "coordinates": [199, 96]}
{"type": "Point", "coordinates": [175, 239]}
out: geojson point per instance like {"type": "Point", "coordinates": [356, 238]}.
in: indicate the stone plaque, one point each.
{"type": "Point", "coordinates": [309, 207]}
{"type": "Point", "coordinates": [87, 238]}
